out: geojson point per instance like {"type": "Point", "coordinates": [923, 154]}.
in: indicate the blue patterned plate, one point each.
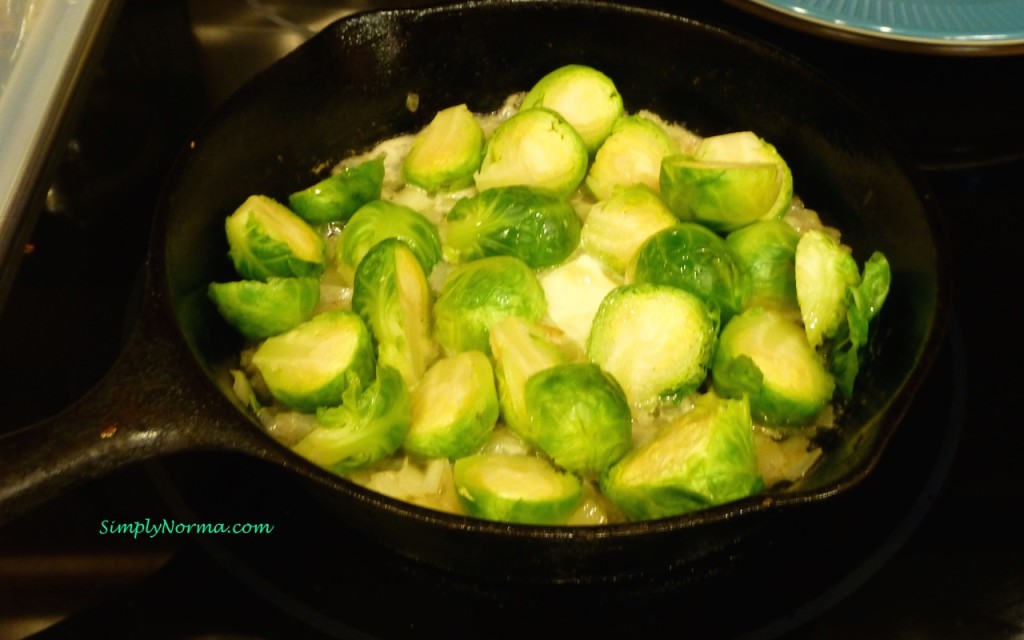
{"type": "Point", "coordinates": [985, 26]}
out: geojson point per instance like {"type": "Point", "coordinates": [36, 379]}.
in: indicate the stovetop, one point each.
{"type": "Point", "coordinates": [938, 557]}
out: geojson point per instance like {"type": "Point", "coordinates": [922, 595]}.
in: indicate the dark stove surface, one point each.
{"type": "Point", "coordinates": [927, 548]}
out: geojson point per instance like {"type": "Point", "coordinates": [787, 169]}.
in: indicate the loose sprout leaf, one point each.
{"type": "Point", "coordinates": [863, 303]}
{"type": "Point", "coordinates": [368, 426]}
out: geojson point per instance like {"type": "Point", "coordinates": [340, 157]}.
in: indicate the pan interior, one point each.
{"type": "Point", "coordinates": [348, 87]}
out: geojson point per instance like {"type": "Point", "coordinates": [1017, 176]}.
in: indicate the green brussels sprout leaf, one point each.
{"type": "Point", "coordinates": [368, 426]}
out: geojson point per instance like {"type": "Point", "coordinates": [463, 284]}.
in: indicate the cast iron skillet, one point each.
{"type": "Point", "coordinates": [345, 89]}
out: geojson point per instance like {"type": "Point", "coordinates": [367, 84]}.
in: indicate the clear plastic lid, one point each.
{"type": "Point", "coordinates": [44, 45]}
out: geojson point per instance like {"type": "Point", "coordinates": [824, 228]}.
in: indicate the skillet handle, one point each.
{"type": "Point", "coordinates": [155, 400]}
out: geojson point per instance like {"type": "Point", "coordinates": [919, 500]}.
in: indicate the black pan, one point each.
{"type": "Point", "coordinates": [345, 89]}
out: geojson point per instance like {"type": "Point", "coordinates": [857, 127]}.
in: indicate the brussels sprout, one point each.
{"type": "Point", "coordinates": [312, 364]}
{"type": "Point", "coordinates": [863, 303]}
{"type": "Point", "coordinates": [704, 458]}
{"type": "Point", "coordinates": [520, 349]}
{"type": "Point", "coordinates": [766, 251]}
{"type": "Point", "coordinates": [746, 147]}
{"type": "Point", "coordinates": [477, 294]}
{"type": "Point", "coordinates": [266, 239]}
{"type": "Point", "coordinates": [517, 489]}
{"type": "Point", "coordinates": [337, 197]}
{"type": "Point", "coordinates": [655, 340]}
{"type": "Point", "coordinates": [447, 152]}
{"type": "Point", "coordinates": [380, 219]}
{"type": "Point", "coordinates": [537, 148]}
{"type": "Point", "coordinates": [261, 309]}
{"type": "Point", "coordinates": [764, 355]}
{"type": "Point", "coordinates": [731, 181]}
{"type": "Point", "coordinates": [391, 294]}
{"type": "Point", "coordinates": [824, 270]}
{"type": "Point", "coordinates": [454, 407]}
{"type": "Point", "coordinates": [368, 426]}
{"type": "Point", "coordinates": [574, 291]}
{"type": "Point", "coordinates": [692, 257]}
{"type": "Point", "coordinates": [580, 417]}
{"type": "Point", "coordinates": [538, 228]}
{"type": "Point", "coordinates": [617, 226]}
{"type": "Point", "coordinates": [632, 154]}
{"type": "Point", "coordinates": [584, 96]}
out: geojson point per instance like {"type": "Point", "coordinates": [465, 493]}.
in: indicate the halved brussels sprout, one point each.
{"type": "Point", "coordinates": [631, 154]}
{"type": "Point", "coordinates": [337, 197]}
{"type": "Point", "coordinates": [447, 152]}
{"type": "Point", "coordinates": [730, 181]}
{"type": "Point", "coordinates": [260, 309]}
{"type": "Point", "coordinates": [824, 271]}
{"type": "Point", "coordinates": [368, 426]}
{"type": "Point", "coordinates": [766, 251]}
{"type": "Point", "coordinates": [655, 340]}
{"type": "Point", "coordinates": [584, 96]}
{"type": "Point", "coordinates": [705, 457]}
{"type": "Point", "coordinates": [617, 226]}
{"type": "Point", "coordinates": [574, 290]}
{"type": "Point", "coordinates": [764, 355]}
{"type": "Point", "coordinates": [694, 258]}
{"type": "Point", "coordinates": [478, 294]}
{"type": "Point", "coordinates": [391, 294]}
{"type": "Point", "coordinates": [454, 407]}
{"type": "Point", "coordinates": [538, 228]}
{"type": "Point", "coordinates": [520, 348]}
{"type": "Point", "coordinates": [266, 239]}
{"type": "Point", "coordinates": [518, 489]}
{"type": "Point", "coordinates": [579, 417]}
{"type": "Point", "coordinates": [381, 219]}
{"type": "Point", "coordinates": [312, 364]}
{"type": "Point", "coordinates": [537, 148]}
